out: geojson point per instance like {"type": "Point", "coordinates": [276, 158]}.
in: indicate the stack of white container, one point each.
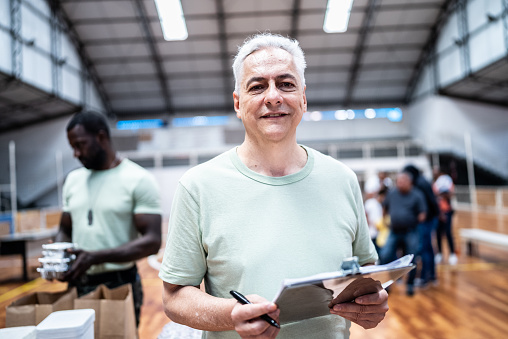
{"type": "Point", "coordinates": [67, 325]}
{"type": "Point", "coordinates": [56, 260]}
{"type": "Point", "coordinates": [71, 324]}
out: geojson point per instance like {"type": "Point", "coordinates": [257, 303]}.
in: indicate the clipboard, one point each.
{"type": "Point", "coordinates": [313, 296]}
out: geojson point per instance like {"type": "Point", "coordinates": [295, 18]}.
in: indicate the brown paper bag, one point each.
{"type": "Point", "coordinates": [31, 309]}
{"type": "Point", "coordinates": [114, 311]}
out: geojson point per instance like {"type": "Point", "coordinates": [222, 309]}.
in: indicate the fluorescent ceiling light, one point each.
{"type": "Point", "coordinates": [172, 19]}
{"type": "Point", "coordinates": [337, 16]}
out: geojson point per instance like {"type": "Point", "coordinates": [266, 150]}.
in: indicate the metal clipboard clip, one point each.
{"type": "Point", "coordinates": [350, 266]}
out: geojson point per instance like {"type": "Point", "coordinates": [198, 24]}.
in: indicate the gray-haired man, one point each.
{"type": "Point", "coordinates": [266, 210]}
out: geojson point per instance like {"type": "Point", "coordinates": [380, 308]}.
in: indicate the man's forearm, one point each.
{"type": "Point", "coordinates": [131, 251]}
{"type": "Point", "coordinates": [188, 305]}
{"type": "Point", "coordinates": [65, 230]}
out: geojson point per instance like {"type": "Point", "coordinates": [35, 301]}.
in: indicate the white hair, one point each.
{"type": "Point", "coordinates": [267, 40]}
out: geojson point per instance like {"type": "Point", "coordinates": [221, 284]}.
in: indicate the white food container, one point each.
{"type": "Point", "coordinates": [71, 324]}
{"type": "Point", "coordinates": [20, 332]}
{"type": "Point", "coordinates": [56, 260]}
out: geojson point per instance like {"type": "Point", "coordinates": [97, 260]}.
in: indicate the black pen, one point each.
{"type": "Point", "coordinates": [242, 300]}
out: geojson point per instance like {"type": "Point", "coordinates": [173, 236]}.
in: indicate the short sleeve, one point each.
{"type": "Point", "coordinates": [184, 261]}
{"type": "Point", "coordinates": [147, 196]}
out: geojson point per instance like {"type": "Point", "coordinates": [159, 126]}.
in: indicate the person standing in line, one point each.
{"type": "Point", "coordinates": [383, 224]}
{"type": "Point", "coordinates": [377, 182]}
{"type": "Point", "coordinates": [111, 212]}
{"type": "Point", "coordinates": [427, 227]}
{"type": "Point", "coordinates": [374, 214]}
{"type": "Point", "coordinates": [444, 188]}
{"type": "Point", "coordinates": [406, 207]}
{"type": "Point", "coordinates": [385, 180]}
{"type": "Point", "coordinates": [264, 211]}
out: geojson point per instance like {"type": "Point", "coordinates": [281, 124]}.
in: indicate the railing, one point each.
{"type": "Point", "coordinates": [488, 199]}
{"type": "Point", "coordinates": [340, 150]}
{"type": "Point", "coordinates": [489, 211]}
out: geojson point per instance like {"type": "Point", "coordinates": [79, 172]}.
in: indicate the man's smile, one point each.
{"type": "Point", "coordinates": [274, 115]}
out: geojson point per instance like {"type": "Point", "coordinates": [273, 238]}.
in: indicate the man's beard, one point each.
{"type": "Point", "coordinates": [97, 159]}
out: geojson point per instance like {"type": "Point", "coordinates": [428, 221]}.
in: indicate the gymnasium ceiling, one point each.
{"type": "Point", "coordinates": [375, 63]}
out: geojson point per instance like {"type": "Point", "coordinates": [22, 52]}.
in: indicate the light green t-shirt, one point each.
{"type": "Point", "coordinates": [243, 231]}
{"type": "Point", "coordinates": [114, 196]}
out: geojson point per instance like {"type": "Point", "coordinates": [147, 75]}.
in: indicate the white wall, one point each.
{"type": "Point", "coordinates": [168, 178]}
{"type": "Point", "coordinates": [5, 38]}
{"type": "Point", "coordinates": [440, 123]}
{"type": "Point", "coordinates": [37, 59]}
{"type": "Point", "coordinates": [351, 130]}
{"type": "Point", "coordinates": [183, 138]}
{"type": "Point", "coordinates": [36, 149]}
{"type": "Point", "coordinates": [487, 44]}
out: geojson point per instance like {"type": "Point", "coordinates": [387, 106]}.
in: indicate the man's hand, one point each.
{"type": "Point", "coordinates": [84, 260]}
{"type": "Point", "coordinates": [247, 322]}
{"type": "Point", "coordinates": [367, 310]}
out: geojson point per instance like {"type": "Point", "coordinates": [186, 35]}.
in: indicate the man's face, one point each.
{"type": "Point", "coordinates": [272, 98]}
{"type": "Point", "coordinates": [86, 148]}
{"type": "Point", "coordinates": [403, 183]}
